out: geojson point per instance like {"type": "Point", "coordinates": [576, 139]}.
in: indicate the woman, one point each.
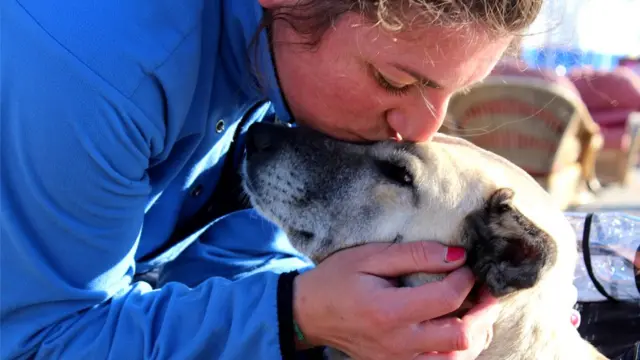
{"type": "Point", "coordinates": [122, 129]}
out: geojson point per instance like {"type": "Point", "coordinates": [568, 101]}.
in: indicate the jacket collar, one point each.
{"type": "Point", "coordinates": [251, 53]}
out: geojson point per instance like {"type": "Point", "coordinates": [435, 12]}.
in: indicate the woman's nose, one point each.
{"type": "Point", "coordinates": [417, 122]}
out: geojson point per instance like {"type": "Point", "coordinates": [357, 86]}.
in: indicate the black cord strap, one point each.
{"type": "Point", "coordinates": [285, 315]}
{"type": "Point", "coordinates": [586, 250]}
{"type": "Point", "coordinates": [636, 268]}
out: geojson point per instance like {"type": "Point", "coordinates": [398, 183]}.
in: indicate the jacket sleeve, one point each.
{"type": "Point", "coordinates": [238, 247]}
{"type": "Point", "coordinates": [73, 195]}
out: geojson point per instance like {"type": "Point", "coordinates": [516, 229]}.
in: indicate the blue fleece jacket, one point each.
{"type": "Point", "coordinates": [117, 118]}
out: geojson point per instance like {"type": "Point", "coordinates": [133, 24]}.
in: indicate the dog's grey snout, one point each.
{"type": "Point", "coordinates": [263, 138]}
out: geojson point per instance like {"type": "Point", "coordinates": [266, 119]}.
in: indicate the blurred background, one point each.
{"type": "Point", "coordinates": [565, 106]}
{"type": "Point", "coordinates": [575, 33]}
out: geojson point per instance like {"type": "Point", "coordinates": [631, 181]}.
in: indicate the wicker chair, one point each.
{"type": "Point", "coordinates": [542, 127]}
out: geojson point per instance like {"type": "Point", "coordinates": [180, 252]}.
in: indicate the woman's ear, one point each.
{"type": "Point", "coordinates": [270, 4]}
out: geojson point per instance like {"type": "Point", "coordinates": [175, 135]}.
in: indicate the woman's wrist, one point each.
{"type": "Point", "coordinates": [299, 339]}
{"type": "Point", "coordinates": [286, 332]}
{"type": "Point", "coordinates": [291, 336]}
{"type": "Point", "coordinates": [302, 325]}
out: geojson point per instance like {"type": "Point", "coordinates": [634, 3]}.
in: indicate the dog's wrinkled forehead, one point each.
{"type": "Point", "coordinates": [320, 164]}
{"type": "Point", "coordinates": [329, 161]}
{"type": "Point", "coordinates": [316, 152]}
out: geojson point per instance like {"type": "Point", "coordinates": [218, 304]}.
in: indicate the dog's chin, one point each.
{"type": "Point", "coordinates": [306, 247]}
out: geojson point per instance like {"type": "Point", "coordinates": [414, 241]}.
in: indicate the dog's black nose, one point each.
{"type": "Point", "coordinates": [262, 137]}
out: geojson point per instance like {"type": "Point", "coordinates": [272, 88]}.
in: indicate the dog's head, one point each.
{"type": "Point", "coordinates": [328, 195]}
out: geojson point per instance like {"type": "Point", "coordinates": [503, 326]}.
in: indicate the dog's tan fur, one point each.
{"type": "Point", "coordinates": [456, 178]}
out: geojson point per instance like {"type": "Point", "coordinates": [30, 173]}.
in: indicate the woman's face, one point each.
{"type": "Point", "coordinates": [362, 83]}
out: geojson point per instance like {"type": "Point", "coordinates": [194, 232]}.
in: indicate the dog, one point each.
{"type": "Point", "coordinates": [328, 195]}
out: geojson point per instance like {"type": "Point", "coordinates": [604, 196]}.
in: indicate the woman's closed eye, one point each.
{"type": "Point", "coordinates": [401, 85]}
{"type": "Point", "coordinates": [389, 85]}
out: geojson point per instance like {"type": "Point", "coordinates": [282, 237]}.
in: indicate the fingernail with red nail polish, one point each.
{"type": "Point", "coordinates": [454, 253]}
{"type": "Point", "coordinates": [575, 319]}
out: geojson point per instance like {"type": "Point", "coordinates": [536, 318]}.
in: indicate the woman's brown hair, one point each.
{"type": "Point", "coordinates": [312, 18]}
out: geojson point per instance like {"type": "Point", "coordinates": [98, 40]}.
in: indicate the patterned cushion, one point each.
{"type": "Point", "coordinates": [611, 117]}
{"type": "Point", "coordinates": [515, 67]}
{"type": "Point", "coordinates": [599, 89]}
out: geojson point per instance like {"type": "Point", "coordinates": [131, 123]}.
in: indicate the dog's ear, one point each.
{"type": "Point", "coordinates": [507, 251]}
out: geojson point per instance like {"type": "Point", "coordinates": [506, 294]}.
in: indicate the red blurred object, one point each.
{"type": "Point", "coordinates": [612, 97]}
{"type": "Point", "coordinates": [516, 67]}
{"type": "Point", "coordinates": [632, 63]}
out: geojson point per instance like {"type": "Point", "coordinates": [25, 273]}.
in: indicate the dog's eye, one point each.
{"type": "Point", "coordinates": [303, 234]}
{"type": "Point", "coordinates": [395, 172]}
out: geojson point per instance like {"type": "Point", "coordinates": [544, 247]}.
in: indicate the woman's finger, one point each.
{"type": "Point", "coordinates": [474, 331]}
{"type": "Point", "coordinates": [431, 300]}
{"type": "Point", "coordinates": [479, 340]}
{"type": "Point", "coordinates": [392, 260]}
{"type": "Point", "coordinates": [486, 311]}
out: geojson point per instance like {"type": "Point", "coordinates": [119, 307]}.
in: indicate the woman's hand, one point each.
{"type": "Point", "coordinates": [349, 302]}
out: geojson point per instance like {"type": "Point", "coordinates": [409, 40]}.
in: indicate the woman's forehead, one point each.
{"type": "Point", "coordinates": [454, 58]}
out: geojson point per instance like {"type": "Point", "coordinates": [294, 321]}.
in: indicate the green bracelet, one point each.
{"type": "Point", "coordinates": [299, 333]}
